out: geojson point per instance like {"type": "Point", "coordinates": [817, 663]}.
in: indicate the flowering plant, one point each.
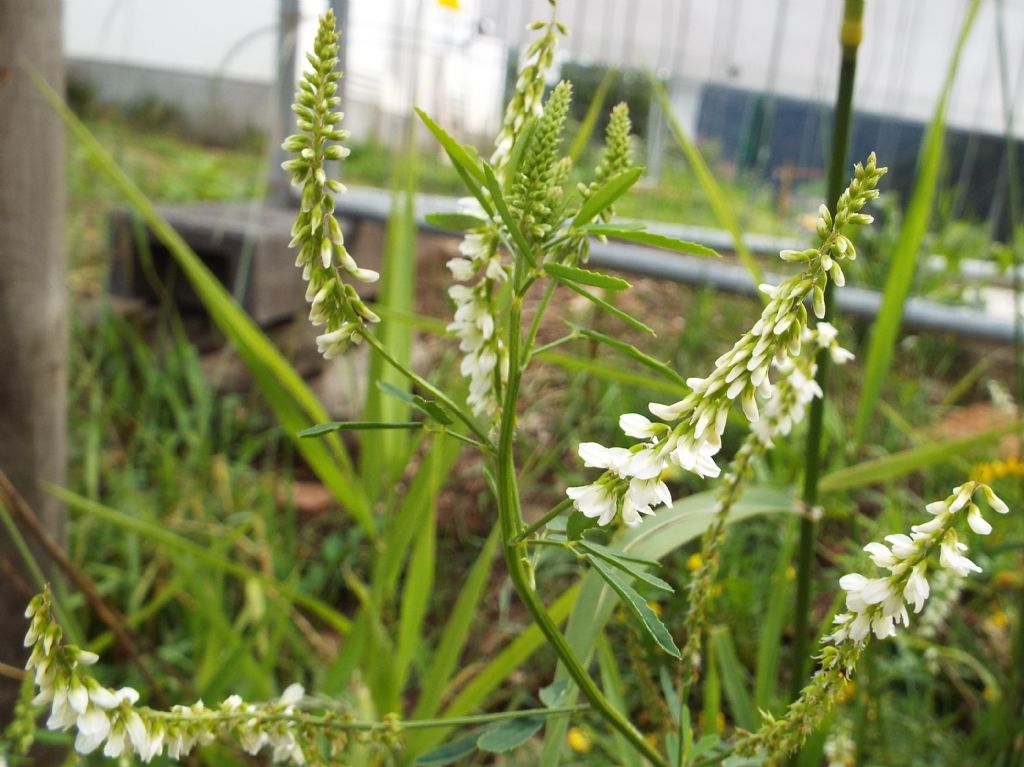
{"type": "Point", "coordinates": [526, 233]}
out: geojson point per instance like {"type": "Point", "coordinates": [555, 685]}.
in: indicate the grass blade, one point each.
{"type": "Point", "coordinates": [886, 327]}
{"type": "Point", "coordinates": [907, 461]}
{"type": "Point", "coordinates": [292, 401]}
{"type": "Point", "coordinates": [157, 533]}
{"type": "Point", "coordinates": [734, 681]}
{"type": "Point", "coordinates": [582, 137]}
{"type": "Point", "coordinates": [444, 661]}
{"type": "Point", "coordinates": [417, 589]}
{"type": "Point", "coordinates": [716, 197]}
{"type": "Point", "coordinates": [385, 452]}
{"type": "Point", "coordinates": [611, 682]}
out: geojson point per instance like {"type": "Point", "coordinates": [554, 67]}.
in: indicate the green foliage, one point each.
{"type": "Point", "coordinates": [904, 259]}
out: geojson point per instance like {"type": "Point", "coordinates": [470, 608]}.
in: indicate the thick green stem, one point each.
{"type": "Point", "coordinates": [511, 521]}
{"type": "Point", "coordinates": [850, 37]}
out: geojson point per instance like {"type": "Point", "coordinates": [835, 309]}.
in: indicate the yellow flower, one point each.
{"type": "Point", "coordinates": [579, 740]}
{"type": "Point", "coordinates": [453, 4]}
{"type": "Point", "coordinates": [655, 608]}
{"type": "Point", "coordinates": [986, 472]}
{"type": "Point", "coordinates": [694, 562]}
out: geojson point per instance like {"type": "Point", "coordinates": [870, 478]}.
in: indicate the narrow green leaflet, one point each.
{"type": "Point", "coordinates": [636, 605]}
{"type": "Point", "coordinates": [734, 679]}
{"type": "Point", "coordinates": [506, 215]}
{"type": "Point", "coordinates": [467, 168]}
{"type": "Point", "coordinates": [627, 318]}
{"type": "Point", "coordinates": [649, 238]}
{"type": "Point", "coordinates": [585, 277]}
{"type": "Point", "coordinates": [325, 428]}
{"type": "Point", "coordinates": [631, 351]}
{"type": "Point", "coordinates": [455, 222]}
{"type": "Point", "coordinates": [509, 735]}
{"type": "Point", "coordinates": [903, 261]}
{"type": "Point", "coordinates": [426, 406]}
{"type": "Point", "coordinates": [630, 567]}
{"type": "Point", "coordinates": [606, 195]}
{"type": "Point", "coordinates": [613, 373]}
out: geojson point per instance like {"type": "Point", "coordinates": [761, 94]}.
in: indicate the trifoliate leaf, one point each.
{"type": "Point", "coordinates": [637, 605]}
{"type": "Point", "coordinates": [630, 567]}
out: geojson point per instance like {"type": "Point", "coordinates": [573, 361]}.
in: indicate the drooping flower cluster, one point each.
{"type": "Point", "coordinates": [691, 434]}
{"type": "Point", "coordinates": [789, 398]}
{"type": "Point", "coordinates": [796, 386]}
{"type": "Point", "coordinates": [875, 606]}
{"type": "Point", "coordinates": [316, 232]}
{"type": "Point", "coordinates": [112, 719]}
{"type": "Point", "coordinates": [878, 605]}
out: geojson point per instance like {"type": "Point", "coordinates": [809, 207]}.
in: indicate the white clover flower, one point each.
{"type": "Point", "coordinates": [878, 605]}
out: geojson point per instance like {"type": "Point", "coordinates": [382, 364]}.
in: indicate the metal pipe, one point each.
{"type": "Point", "coordinates": [919, 313]}
{"type": "Point", "coordinates": [278, 183]}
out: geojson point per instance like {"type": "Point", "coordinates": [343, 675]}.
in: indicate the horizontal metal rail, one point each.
{"type": "Point", "coordinates": [918, 314]}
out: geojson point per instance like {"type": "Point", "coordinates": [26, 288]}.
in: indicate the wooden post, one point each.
{"type": "Point", "coordinates": [33, 302]}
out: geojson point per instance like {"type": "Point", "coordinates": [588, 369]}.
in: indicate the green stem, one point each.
{"type": "Point", "coordinates": [511, 521]}
{"type": "Point", "coordinates": [530, 352]}
{"type": "Point", "coordinates": [850, 37]}
{"type": "Point", "coordinates": [332, 723]}
{"type": "Point", "coordinates": [555, 344]}
{"type": "Point", "coordinates": [423, 383]}
{"type": "Point", "coordinates": [555, 512]}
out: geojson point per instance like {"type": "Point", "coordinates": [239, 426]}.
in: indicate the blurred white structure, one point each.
{"type": "Point", "coordinates": [216, 60]}
{"type": "Point", "coordinates": [218, 57]}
